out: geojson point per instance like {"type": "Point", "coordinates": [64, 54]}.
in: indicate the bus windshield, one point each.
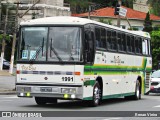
{"type": "Point", "coordinates": [51, 44]}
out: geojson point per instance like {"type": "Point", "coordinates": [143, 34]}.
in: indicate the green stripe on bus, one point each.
{"type": "Point", "coordinates": [112, 96]}
{"type": "Point", "coordinates": [117, 67]}
{"type": "Point", "coordinates": [89, 82]}
{"type": "Point", "coordinates": [111, 73]}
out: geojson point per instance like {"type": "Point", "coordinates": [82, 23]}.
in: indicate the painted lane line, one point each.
{"type": "Point", "coordinates": [6, 100]}
{"type": "Point", "coordinates": [157, 106]}
{"type": "Point", "coordinates": [11, 97]}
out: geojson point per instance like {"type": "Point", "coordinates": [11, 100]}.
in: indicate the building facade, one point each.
{"type": "Point", "coordinates": [135, 18]}
{"type": "Point", "coordinates": [44, 8]}
{"type": "Point", "coordinates": [141, 5]}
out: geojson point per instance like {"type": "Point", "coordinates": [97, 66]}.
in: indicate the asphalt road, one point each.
{"type": "Point", "coordinates": [148, 104]}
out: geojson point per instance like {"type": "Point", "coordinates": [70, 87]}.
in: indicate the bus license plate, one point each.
{"type": "Point", "coordinates": [44, 89]}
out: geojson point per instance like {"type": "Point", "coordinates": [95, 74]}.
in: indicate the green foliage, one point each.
{"type": "Point", "coordinates": [147, 23]}
{"type": "Point", "coordinates": [81, 6]}
{"type": "Point", "coordinates": [155, 7]}
{"type": "Point", "coordinates": [106, 21]}
{"type": "Point", "coordinates": [155, 42]}
{"type": "Point", "coordinates": [7, 38]}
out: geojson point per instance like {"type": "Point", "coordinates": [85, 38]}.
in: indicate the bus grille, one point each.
{"type": "Point", "coordinates": [147, 79]}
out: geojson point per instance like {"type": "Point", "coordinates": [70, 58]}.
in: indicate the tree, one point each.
{"type": "Point", "coordinates": [106, 21]}
{"type": "Point", "coordinates": [147, 23]}
{"type": "Point", "coordinates": [81, 6]}
{"type": "Point", "coordinates": [155, 42]}
{"type": "Point", "coordinates": [154, 7]}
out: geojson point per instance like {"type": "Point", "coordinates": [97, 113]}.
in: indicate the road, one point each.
{"type": "Point", "coordinates": [147, 103]}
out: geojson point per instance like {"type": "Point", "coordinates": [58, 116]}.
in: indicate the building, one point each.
{"type": "Point", "coordinates": [135, 18]}
{"type": "Point", "coordinates": [44, 8]}
{"type": "Point", "coordinates": [141, 5]}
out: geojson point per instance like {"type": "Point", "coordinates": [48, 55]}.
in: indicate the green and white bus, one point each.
{"type": "Point", "coordinates": [74, 58]}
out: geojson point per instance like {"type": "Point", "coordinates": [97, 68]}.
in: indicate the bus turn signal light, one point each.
{"type": "Point", "coordinates": [18, 72]}
{"type": "Point", "coordinates": [77, 73]}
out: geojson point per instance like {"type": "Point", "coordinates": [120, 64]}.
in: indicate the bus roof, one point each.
{"type": "Point", "coordinates": [68, 20]}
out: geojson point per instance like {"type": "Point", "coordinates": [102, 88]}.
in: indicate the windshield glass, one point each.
{"type": "Point", "coordinates": [51, 44]}
{"type": "Point", "coordinates": [156, 74]}
{"type": "Point", "coordinates": [64, 44]}
{"type": "Point", "coordinates": [33, 43]}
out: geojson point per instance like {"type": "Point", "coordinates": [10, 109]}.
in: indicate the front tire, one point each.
{"type": "Point", "coordinates": [97, 95]}
{"type": "Point", "coordinates": [137, 95]}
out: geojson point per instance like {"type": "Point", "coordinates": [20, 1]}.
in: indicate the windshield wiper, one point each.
{"type": "Point", "coordinates": [38, 51]}
{"type": "Point", "coordinates": [55, 52]}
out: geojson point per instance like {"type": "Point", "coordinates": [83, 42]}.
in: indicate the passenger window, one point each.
{"type": "Point", "coordinates": [119, 45]}
{"type": "Point", "coordinates": [138, 45]}
{"type": "Point", "coordinates": [100, 38]}
{"type": "Point", "coordinates": [103, 38]}
{"type": "Point", "coordinates": [132, 44]}
{"type": "Point", "coordinates": [129, 49]}
{"type": "Point", "coordinates": [109, 39]}
{"type": "Point", "coordinates": [113, 41]}
{"type": "Point", "coordinates": [145, 47]}
{"type": "Point", "coordinates": [121, 42]}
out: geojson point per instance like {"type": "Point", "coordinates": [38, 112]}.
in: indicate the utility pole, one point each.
{"type": "Point", "coordinates": [0, 13]}
{"type": "Point", "coordinates": [29, 9]}
{"type": "Point", "coordinates": [3, 41]}
{"type": "Point", "coordinates": [89, 12]}
{"type": "Point", "coordinates": [119, 17]}
{"type": "Point", "coordinates": [14, 39]}
{"type": "Point", "coordinates": [15, 32]}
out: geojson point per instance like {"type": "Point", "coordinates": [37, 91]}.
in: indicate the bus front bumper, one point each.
{"type": "Point", "coordinates": [59, 92]}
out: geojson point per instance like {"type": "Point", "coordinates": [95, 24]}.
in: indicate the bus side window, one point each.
{"type": "Point", "coordinates": [109, 39]}
{"type": "Point", "coordinates": [132, 44]}
{"type": "Point", "coordinates": [136, 45]}
{"type": "Point", "coordinates": [123, 42]}
{"type": "Point", "coordinates": [119, 45]}
{"type": "Point", "coordinates": [98, 39]}
{"type": "Point", "coordinates": [114, 41]}
{"type": "Point", "coordinates": [145, 47]}
{"type": "Point", "coordinates": [128, 44]}
{"type": "Point", "coordinates": [140, 45]}
{"type": "Point", "coordinates": [149, 47]}
{"type": "Point", "coordinates": [89, 38]}
{"type": "Point", "coordinates": [103, 38]}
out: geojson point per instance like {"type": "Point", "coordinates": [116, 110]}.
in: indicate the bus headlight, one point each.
{"type": "Point", "coordinates": [68, 90]}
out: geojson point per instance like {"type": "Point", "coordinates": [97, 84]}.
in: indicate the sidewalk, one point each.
{"type": "Point", "coordinates": [7, 83]}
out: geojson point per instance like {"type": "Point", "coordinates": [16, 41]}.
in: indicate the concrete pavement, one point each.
{"type": "Point", "coordinates": [7, 82]}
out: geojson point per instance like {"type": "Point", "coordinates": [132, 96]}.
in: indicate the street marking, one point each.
{"type": "Point", "coordinates": [6, 100]}
{"type": "Point", "coordinates": [11, 97]}
{"type": "Point", "coordinates": [157, 106]}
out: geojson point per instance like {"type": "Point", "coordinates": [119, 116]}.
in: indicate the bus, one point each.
{"type": "Point", "coordinates": [75, 58]}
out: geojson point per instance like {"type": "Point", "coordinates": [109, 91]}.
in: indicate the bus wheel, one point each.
{"type": "Point", "coordinates": [137, 95]}
{"type": "Point", "coordinates": [40, 100]}
{"type": "Point", "coordinates": [96, 95]}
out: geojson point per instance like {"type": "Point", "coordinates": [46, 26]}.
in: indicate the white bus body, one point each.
{"type": "Point", "coordinates": [49, 69]}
